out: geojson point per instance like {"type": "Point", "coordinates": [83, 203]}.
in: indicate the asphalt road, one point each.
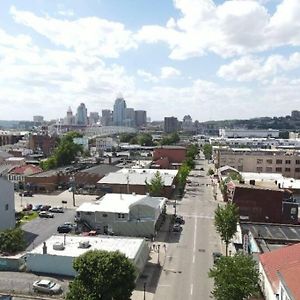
{"type": "Point", "coordinates": [40, 229]}
{"type": "Point", "coordinates": [189, 253]}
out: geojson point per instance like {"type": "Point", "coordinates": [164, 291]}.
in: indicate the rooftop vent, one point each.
{"type": "Point", "coordinates": [58, 246]}
{"type": "Point", "coordinates": [84, 244]}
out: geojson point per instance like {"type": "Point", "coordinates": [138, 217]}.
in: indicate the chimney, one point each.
{"type": "Point", "coordinates": [44, 248]}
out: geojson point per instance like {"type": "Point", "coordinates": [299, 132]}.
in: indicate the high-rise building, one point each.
{"type": "Point", "coordinates": [187, 123]}
{"type": "Point", "coordinates": [119, 112]}
{"type": "Point", "coordinates": [170, 124]}
{"type": "Point", "coordinates": [81, 116]}
{"type": "Point", "coordinates": [69, 119]}
{"type": "Point", "coordinates": [106, 119]}
{"type": "Point", "coordinates": [129, 117]}
{"type": "Point", "coordinates": [93, 118]}
{"type": "Point", "coordinates": [140, 118]}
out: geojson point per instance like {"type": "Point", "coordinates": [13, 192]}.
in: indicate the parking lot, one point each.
{"type": "Point", "coordinates": [40, 229]}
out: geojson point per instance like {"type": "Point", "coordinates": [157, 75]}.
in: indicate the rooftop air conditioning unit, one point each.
{"type": "Point", "coordinates": [84, 244]}
{"type": "Point", "coordinates": [58, 246]}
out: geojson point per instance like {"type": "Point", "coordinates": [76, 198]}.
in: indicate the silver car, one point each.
{"type": "Point", "coordinates": [47, 286]}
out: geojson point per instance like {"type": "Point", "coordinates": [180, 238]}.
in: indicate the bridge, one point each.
{"type": "Point", "coordinates": [96, 131]}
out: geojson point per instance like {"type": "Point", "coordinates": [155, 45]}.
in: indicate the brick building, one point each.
{"type": "Point", "coordinates": [168, 157]}
{"type": "Point", "coordinates": [44, 143]}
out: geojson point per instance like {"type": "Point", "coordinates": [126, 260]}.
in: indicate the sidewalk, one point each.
{"type": "Point", "coordinates": [151, 274]}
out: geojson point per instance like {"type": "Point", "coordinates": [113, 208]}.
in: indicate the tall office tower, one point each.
{"type": "Point", "coordinates": [106, 119]}
{"type": "Point", "coordinates": [69, 119]}
{"type": "Point", "coordinates": [140, 118]}
{"type": "Point", "coordinates": [170, 124]}
{"type": "Point", "coordinates": [81, 116]}
{"type": "Point", "coordinates": [129, 117]}
{"type": "Point", "coordinates": [187, 123]}
{"type": "Point", "coordinates": [93, 118]}
{"type": "Point", "coordinates": [119, 112]}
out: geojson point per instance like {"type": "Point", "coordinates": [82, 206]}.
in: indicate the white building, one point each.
{"type": "Point", "coordinates": [56, 255]}
{"type": "Point", "coordinates": [242, 132]}
{"type": "Point", "coordinates": [123, 214]}
{"type": "Point", "coordinates": [7, 204]}
{"type": "Point", "coordinates": [104, 143]}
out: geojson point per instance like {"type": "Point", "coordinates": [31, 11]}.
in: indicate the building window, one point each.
{"type": "Point", "coordinates": [297, 170]}
{"type": "Point", "coordinates": [269, 161]}
{"type": "Point", "coordinates": [287, 169]}
{"type": "Point", "coordinates": [259, 169]}
{"type": "Point", "coordinates": [287, 162]}
{"type": "Point", "coordinates": [259, 161]}
{"type": "Point", "coordinates": [121, 216]}
{"type": "Point", "coordinates": [6, 206]}
{"type": "Point", "coordinates": [269, 169]}
{"type": "Point", "coordinates": [297, 161]}
{"type": "Point", "coordinates": [104, 215]}
{"type": "Point", "coordinates": [279, 170]}
{"type": "Point", "coordinates": [278, 161]}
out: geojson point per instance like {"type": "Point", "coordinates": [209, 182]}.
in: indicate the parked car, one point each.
{"type": "Point", "coordinates": [46, 286]}
{"type": "Point", "coordinates": [64, 228]}
{"type": "Point", "coordinates": [37, 207]}
{"type": "Point", "coordinates": [45, 207]}
{"type": "Point", "coordinates": [27, 194]}
{"type": "Point", "coordinates": [46, 214]}
{"type": "Point", "coordinates": [216, 256]}
{"type": "Point", "coordinates": [176, 228]}
{"type": "Point", "coordinates": [201, 169]}
{"type": "Point", "coordinates": [56, 209]}
{"type": "Point", "coordinates": [28, 207]}
{"type": "Point", "coordinates": [179, 220]}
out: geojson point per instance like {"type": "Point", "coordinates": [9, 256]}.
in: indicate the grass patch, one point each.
{"type": "Point", "coordinates": [28, 216]}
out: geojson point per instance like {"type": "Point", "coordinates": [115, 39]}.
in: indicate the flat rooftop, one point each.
{"type": "Point", "coordinates": [277, 232]}
{"type": "Point", "coordinates": [128, 246]}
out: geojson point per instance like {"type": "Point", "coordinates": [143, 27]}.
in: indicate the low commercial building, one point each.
{"type": "Point", "coordinates": [279, 271]}
{"type": "Point", "coordinates": [56, 255]}
{"type": "Point", "coordinates": [285, 162]}
{"type": "Point", "coordinates": [262, 204]}
{"type": "Point", "coordinates": [243, 132]}
{"type": "Point", "coordinates": [7, 204]}
{"type": "Point", "coordinates": [123, 214]}
{"type": "Point", "coordinates": [128, 181]}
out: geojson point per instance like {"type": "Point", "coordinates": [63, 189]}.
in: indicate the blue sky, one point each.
{"type": "Point", "coordinates": [210, 59]}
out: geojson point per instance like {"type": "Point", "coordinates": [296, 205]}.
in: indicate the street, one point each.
{"type": "Point", "coordinates": [189, 253]}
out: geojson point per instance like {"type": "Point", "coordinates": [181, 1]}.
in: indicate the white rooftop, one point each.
{"type": "Point", "coordinates": [128, 246]}
{"type": "Point", "coordinates": [261, 176]}
{"type": "Point", "coordinates": [121, 203]}
{"type": "Point", "coordinates": [138, 176]}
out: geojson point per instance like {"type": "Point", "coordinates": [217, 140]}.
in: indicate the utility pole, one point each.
{"type": "Point", "coordinates": [144, 290]}
{"type": "Point", "coordinates": [73, 186]}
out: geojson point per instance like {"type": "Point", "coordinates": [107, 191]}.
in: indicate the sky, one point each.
{"type": "Point", "coordinates": [210, 59]}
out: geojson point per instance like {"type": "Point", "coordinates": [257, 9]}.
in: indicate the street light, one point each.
{"type": "Point", "coordinates": [73, 186]}
{"type": "Point", "coordinates": [145, 290]}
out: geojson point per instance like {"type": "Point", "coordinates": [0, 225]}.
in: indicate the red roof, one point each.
{"type": "Point", "coordinates": [26, 170]}
{"type": "Point", "coordinates": [290, 277]}
{"type": "Point", "coordinates": [277, 260]}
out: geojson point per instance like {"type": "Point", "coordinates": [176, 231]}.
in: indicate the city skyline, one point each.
{"type": "Point", "coordinates": [210, 59]}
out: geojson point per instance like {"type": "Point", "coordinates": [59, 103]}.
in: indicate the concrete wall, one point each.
{"type": "Point", "coordinates": [7, 205]}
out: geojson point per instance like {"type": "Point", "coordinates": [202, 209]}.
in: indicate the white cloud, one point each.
{"type": "Point", "coordinates": [229, 29]}
{"type": "Point", "coordinates": [249, 68]}
{"type": "Point", "coordinates": [66, 12]}
{"type": "Point", "coordinates": [169, 72]}
{"type": "Point", "coordinates": [147, 76]}
{"type": "Point", "coordinates": [89, 36]}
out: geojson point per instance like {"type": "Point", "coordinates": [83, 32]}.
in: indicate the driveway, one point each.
{"type": "Point", "coordinates": [40, 229]}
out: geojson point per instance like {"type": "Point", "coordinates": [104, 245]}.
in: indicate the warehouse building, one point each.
{"type": "Point", "coordinates": [56, 255]}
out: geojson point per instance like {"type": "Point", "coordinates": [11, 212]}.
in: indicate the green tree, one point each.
{"type": "Point", "coordinates": [192, 151]}
{"type": "Point", "coordinates": [156, 185]}
{"type": "Point", "coordinates": [102, 275]}
{"type": "Point", "coordinates": [12, 240]}
{"type": "Point", "coordinates": [207, 151]}
{"type": "Point", "coordinates": [64, 153]}
{"type": "Point", "coordinates": [235, 277]}
{"type": "Point", "coordinates": [226, 219]}
{"type": "Point", "coordinates": [190, 162]}
{"type": "Point", "coordinates": [126, 137]}
{"type": "Point", "coordinates": [170, 139]}
{"type": "Point", "coordinates": [210, 172]}
{"type": "Point", "coordinates": [145, 139]}
{"type": "Point", "coordinates": [182, 175]}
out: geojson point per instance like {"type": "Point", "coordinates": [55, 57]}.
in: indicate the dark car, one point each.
{"type": "Point", "coordinates": [45, 207]}
{"type": "Point", "coordinates": [37, 207]}
{"type": "Point", "coordinates": [27, 194]}
{"type": "Point", "coordinates": [45, 214]}
{"type": "Point", "coordinates": [179, 220]}
{"type": "Point", "coordinates": [64, 228]}
{"type": "Point", "coordinates": [28, 207]}
{"type": "Point", "coordinates": [216, 256]}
